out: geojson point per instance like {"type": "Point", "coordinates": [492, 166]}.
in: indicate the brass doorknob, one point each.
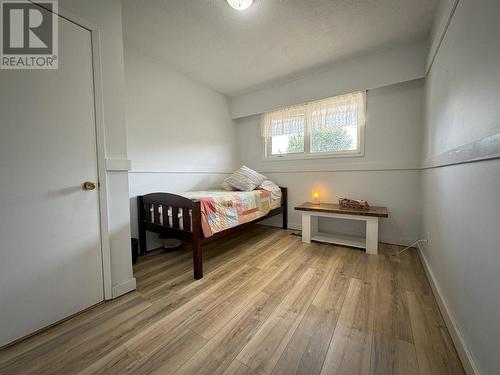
{"type": "Point", "coordinates": [89, 185]}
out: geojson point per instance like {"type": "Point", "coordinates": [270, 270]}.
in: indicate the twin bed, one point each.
{"type": "Point", "coordinates": [201, 216]}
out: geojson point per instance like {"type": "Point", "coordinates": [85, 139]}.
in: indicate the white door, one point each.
{"type": "Point", "coordinates": [50, 253]}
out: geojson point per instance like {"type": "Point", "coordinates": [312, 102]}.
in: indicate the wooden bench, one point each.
{"type": "Point", "coordinates": [311, 212]}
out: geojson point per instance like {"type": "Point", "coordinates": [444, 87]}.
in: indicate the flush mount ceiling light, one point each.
{"type": "Point", "coordinates": [240, 4]}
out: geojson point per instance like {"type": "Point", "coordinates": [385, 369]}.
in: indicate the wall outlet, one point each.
{"type": "Point", "coordinates": [428, 237]}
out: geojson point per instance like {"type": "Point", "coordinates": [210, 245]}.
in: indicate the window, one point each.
{"type": "Point", "coordinates": [323, 128]}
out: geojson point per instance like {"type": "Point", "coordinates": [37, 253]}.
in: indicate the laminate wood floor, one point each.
{"type": "Point", "coordinates": [268, 304]}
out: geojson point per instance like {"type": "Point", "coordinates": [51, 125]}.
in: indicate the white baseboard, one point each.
{"type": "Point", "coordinates": [463, 351]}
{"type": "Point", "coordinates": [125, 287]}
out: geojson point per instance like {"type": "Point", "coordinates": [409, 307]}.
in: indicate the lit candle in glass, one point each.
{"type": "Point", "coordinates": [315, 196]}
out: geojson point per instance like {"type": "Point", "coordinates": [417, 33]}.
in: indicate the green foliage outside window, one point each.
{"type": "Point", "coordinates": [295, 143]}
{"type": "Point", "coordinates": [326, 140]}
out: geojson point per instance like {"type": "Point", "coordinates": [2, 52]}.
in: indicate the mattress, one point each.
{"type": "Point", "coordinates": [221, 209]}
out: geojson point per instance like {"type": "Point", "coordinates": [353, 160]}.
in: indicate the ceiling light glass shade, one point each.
{"type": "Point", "coordinates": [240, 4]}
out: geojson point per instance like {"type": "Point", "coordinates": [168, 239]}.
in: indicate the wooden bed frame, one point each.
{"type": "Point", "coordinates": [149, 218]}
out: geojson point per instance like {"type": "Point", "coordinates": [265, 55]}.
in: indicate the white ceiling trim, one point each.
{"type": "Point", "coordinates": [441, 23]}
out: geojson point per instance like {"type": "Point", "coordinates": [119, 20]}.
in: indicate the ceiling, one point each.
{"type": "Point", "coordinates": [236, 51]}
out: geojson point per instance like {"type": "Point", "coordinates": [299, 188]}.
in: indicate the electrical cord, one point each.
{"type": "Point", "coordinates": [406, 248]}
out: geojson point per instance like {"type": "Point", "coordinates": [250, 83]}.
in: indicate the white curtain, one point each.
{"type": "Point", "coordinates": [285, 121]}
{"type": "Point", "coordinates": [339, 111]}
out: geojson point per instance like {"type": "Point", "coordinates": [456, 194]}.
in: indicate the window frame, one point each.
{"type": "Point", "coordinates": [307, 154]}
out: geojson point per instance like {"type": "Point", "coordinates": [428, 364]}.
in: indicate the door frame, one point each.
{"type": "Point", "coordinates": [95, 35]}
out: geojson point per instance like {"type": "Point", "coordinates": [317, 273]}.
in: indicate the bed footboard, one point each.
{"type": "Point", "coordinates": [153, 215]}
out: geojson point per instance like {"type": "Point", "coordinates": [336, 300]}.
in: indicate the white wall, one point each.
{"type": "Point", "coordinates": [461, 203]}
{"type": "Point", "coordinates": [386, 175]}
{"type": "Point", "coordinates": [372, 70]}
{"type": "Point", "coordinates": [106, 15]}
{"type": "Point", "coordinates": [180, 133]}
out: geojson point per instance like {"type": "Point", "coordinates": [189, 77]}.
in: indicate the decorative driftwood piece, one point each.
{"type": "Point", "coordinates": [354, 203]}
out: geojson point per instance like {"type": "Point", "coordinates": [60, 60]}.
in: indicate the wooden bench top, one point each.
{"type": "Point", "coordinates": [336, 209]}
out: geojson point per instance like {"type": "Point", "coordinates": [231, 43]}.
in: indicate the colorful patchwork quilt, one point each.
{"type": "Point", "coordinates": [221, 210]}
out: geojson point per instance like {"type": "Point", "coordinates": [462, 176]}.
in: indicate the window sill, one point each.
{"type": "Point", "coordinates": [354, 154]}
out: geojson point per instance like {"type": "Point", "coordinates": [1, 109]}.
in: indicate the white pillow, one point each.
{"type": "Point", "coordinates": [274, 190]}
{"type": "Point", "coordinates": [226, 186]}
{"type": "Point", "coordinates": [270, 187]}
{"type": "Point", "coordinates": [245, 179]}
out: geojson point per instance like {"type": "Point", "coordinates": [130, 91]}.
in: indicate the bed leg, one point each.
{"type": "Point", "coordinates": [142, 231]}
{"type": "Point", "coordinates": [142, 240]}
{"type": "Point", "coordinates": [284, 203]}
{"type": "Point", "coordinates": [197, 249]}
{"type": "Point", "coordinates": [197, 259]}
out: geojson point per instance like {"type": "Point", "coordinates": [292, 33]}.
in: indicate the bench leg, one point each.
{"type": "Point", "coordinates": [372, 235]}
{"type": "Point", "coordinates": [314, 225]}
{"type": "Point", "coordinates": [306, 228]}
